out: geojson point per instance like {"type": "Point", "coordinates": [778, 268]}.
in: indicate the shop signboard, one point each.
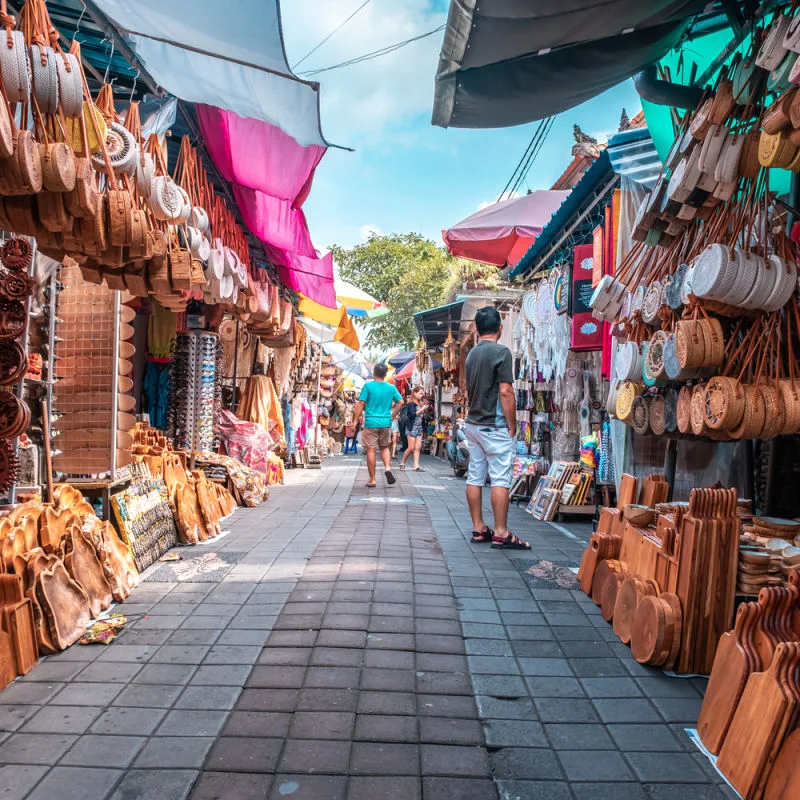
{"type": "Point", "coordinates": [587, 332]}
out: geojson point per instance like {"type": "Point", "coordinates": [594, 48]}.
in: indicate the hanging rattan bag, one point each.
{"type": "Point", "coordinates": [658, 423]}
{"type": "Point", "coordinates": [120, 217]}
{"type": "Point", "coordinates": [58, 167]}
{"type": "Point", "coordinates": [122, 151]}
{"type": "Point", "coordinates": [724, 403]}
{"type": "Point", "coordinates": [15, 67]}
{"type": "Point", "coordinates": [45, 78]}
{"type": "Point", "coordinates": [628, 392]}
{"type": "Point", "coordinates": [22, 173]}
{"type": "Point", "coordinates": [180, 268]}
{"type": "Point", "coordinates": [697, 417]}
{"type": "Point", "coordinates": [83, 200]}
{"type": "Point", "coordinates": [640, 415]}
{"type": "Point", "coordinates": [52, 213]}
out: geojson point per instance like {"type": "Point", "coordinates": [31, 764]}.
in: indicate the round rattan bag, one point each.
{"type": "Point", "coordinates": [697, 408]}
{"type": "Point", "coordinates": [724, 403]}
{"type": "Point", "coordinates": [640, 415]}
{"type": "Point", "coordinates": [671, 410]}
{"type": "Point", "coordinates": [658, 415]}
{"type": "Point", "coordinates": [628, 392]}
{"type": "Point", "coordinates": [683, 409]}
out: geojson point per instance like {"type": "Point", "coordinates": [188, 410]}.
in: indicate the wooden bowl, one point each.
{"type": "Point", "coordinates": [640, 516]}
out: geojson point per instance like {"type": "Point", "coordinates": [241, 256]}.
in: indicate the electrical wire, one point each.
{"type": "Point", "coordinates": [534, 154]}
{"type": "Point", "coordinates": [335, 30]}
{"type": "Point", "coordinates": [519, 163]}
{"type": "Point", "coordinates": [376, 53]}
{"type": "Point", "coordinates": [531, 152]}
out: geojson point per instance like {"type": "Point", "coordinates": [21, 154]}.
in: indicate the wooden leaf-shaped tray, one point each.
{"type": "Point", "coordinates": [191, 527]}
{"type": "Point", "coordinates": [53, 527]}
{"type": "Point", "coordinates": [83, 565]}
{"type": "Point", "coordinates": [116, 560]}
{"type": "Point", "coordinates": [64, 605]}
{"type": "Point", "coordinates": [38, 561]}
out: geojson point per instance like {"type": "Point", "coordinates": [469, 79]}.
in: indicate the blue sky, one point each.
{"type": "Point", "coordinates": [405, 175]}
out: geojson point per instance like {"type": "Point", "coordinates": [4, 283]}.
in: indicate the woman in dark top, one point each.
{"type": "Point", "coordinates": [417, 406]}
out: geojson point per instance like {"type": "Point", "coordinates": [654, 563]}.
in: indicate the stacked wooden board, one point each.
{"type": "Point", "coordinates": [92, 440]}
{"type": "Point", "coordinates": [666, 580]}
{"type": "Point", "coordinates": [751, 709]}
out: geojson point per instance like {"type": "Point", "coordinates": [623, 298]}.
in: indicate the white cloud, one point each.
{"type": "Point", "coordinates": [365, 231]}
{"type": "Point", "coordinates": [487, 203]}
{"type": "Point", "coordinates": [364, 99]}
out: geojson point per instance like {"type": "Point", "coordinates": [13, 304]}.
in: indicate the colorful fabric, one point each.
{"type": "Point", "coordinates": [251, 485]}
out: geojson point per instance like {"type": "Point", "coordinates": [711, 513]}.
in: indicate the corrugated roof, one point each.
{"type": "Point", "coordinates": [634, 155]}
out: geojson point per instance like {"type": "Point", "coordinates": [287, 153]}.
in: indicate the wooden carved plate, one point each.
{"type": "Point", "coordinates": [38, 561]}
{"type": "Point", "coordinates": [53, 527]}
{"type": "Point", "coordinates": [64, 604]}
{"type": "Point", "coordinates": [116, 560]}
{"type": "Point", "coordinates": [83, 565]}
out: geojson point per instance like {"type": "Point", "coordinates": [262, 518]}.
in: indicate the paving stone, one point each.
{"type": "Point", "coordinates": [266, 724]}
{"type": "Point", "coordinates": [231, 786]}
{"type": "Point", "coordinates": [174, 752]}
{"type": "Point", "coordinates": [678, 709]}
{"type": "Point", "coordinates": [322, 725]}
{"type": "Point", "coordinates": [444, 730]}
{"type": "Point", "coordinates": [233, 654]}
{"type": "Point", "coordinates": [128, 721]}
{"type": "Point", "coordinates": [520, 763]}
{"type": "Point", "coordinates": [292, 638]}
{"type": "Point", "coordinates": [534, 790]}
{"type": "Point", "coordinates": [164, 674]}
{"type": "Point", "coordinates": [337, 657]}
{"type": "Point", "coordinates": [554, 709]}
{"type": "Point", "coordinates": [443, 683]}
{"type": "Point", "coordinates": [276, 677]}
{"type": "Point", "coordinates": [386, 703]}
{"type": "Point", "coordinates": [510, 733]}
{"type": "Point", "coordinates": [611, 791]}
{"type": "Point", "coordinates": [610, 687]}
{"type": "Point", "coordinates": [389, 659]}
{"type": "Point", "coordinates": [505, 708]}
{"type": "Point", "coordinates": [598, 668]}
{"type": "Point", "coordinates": [488, 647]}
{"type": "Point", "coordinates": [148, 696]}
{"type": "Point", "coordinates": [192, 723]}
{"type": "Point", "coordinates": [244, 754]}
{"type": "Point", "coordinates": [218, 675]}
{"type": "Point", "coordinates": [555, 687]}
{"type": "Point", "coordinates": [458, 789]}
{"type": "Point", "coordinates": [390, 641]}
{"type": "Point", "coordinates": [388, 680]}
{"type": "Point", "coordinates": [92, 750]}
{"type": "Point", "coordinates": [51, 670]}
{"type": "Point", "coordinates": [35, 748]}
{"type": "Point", "coordinates": [386, 728]}
{"type": "Point", "coordinates": [155, 784]}
{"type": "Point", "coordinates": [384, 758]}
{"type": "Point", "coordinates": [86, 694]}
{"type": "Point", "coordinates": [18, 780]}
{"type": "Point", "coordinates": [632, 738]}
{"type": "Point", "coordinates": [64, 719]}
{"type": "Point", "coordinates": [666, 791]}
{"type": "Point", "coordinates": [338, 638]}
{"type": "Point", "coordinates": [594, 765]}
{"type": "Point", "coordinates": [209, 697]}
{"type": "Point", "coordinates": [446, 706]}
{"type": "Point", "coordinates": [308, 787]}
{"type": "Point", "coordinates": [83, 782]}
{"type": "Point", "coordinates": [107, 673]}
{"type": "Point", "coordinates": [440, 644]}
{"type": "Point", "coordinates": [630, 710]}
{"type": "Point", "coordinates": [545, 667]}
{"type": "Point", "coordinates": [200, 636]}
{"type": "Point", "coordinates": [315, 756]}
{"type": "Point", "coordinates": [326, 700]}
{"type": "Point", "coordinates": [458, 762]}
{"type": "Point", "coordinates": [332, 677]}
{"type": "Point", "coordinates": [578, 736]}
{"type": "Point", "coordinates": [668, 767]}
{"type": "Point", "coordinates": [384, 788]}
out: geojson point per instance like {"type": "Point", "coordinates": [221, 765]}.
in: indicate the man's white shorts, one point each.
{"type": "Point", "coordinates": [492, 451]}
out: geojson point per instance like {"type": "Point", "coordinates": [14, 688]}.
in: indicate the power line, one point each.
{"type": "Point", "coordinates": [376, 53]}
{"type": "Point", "coordinates": [531, 152]}
{"type": "Point", "coordinates": [335, 30]}
{"type": "Point", "coordinates": [534, 154]}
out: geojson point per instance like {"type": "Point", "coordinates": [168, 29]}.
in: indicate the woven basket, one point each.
{"type": "Point", "coordinates": [658, 422]}
{"type": "Point", "coordinates": [180, 269]}
{"type": "Point", "coordinates": [724, 403]}
{"type": "Point", "coordinates": [689, 344]}
{"type": "Point", "coordinates": [683, 410]}
{"type": "Point", "coordinates": [21, 213]}
{"type": "Point", "coordinates": [640, 415]}
{"type": "Point", "coordinates": [628, 392]}
{"type": "Point", "coordinates": [714, 341]}
{"type": "Point", "coordinates": [774, 411]}
{"type": "Point", "coordinates": [58, 167]}
{"type": "Point", "coordinates": [82, 201]}
{"type": "Point", "coordinates": [697, 415]}
{"type": "Point", "coordinates": [52, 213]}
{"type": "Point", "coordinates": [22, 172]}
{"type": "Point", "coordinates": [120, 217]}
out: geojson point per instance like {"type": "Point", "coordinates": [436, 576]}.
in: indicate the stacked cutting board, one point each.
{"type": "Point", "coordinates": [94, 376]}
{"type": "Point", "coordinates": [666, 580]}
{"type": "Point", "coordinates": [751, 708]}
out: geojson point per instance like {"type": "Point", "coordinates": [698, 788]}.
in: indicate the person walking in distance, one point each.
{"type": "Point", "coordinates": [381, 403]}
{"type": "Point", "coordinates": [415, 410]}
{"type": "Point", "coordinates": [490, 430]}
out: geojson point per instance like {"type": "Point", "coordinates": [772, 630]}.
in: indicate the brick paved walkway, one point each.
{"type": "Point", "coordinates": [359, 648]}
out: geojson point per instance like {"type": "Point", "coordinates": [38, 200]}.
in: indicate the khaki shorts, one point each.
{"type": "Point", "coordinates": [372, 438]}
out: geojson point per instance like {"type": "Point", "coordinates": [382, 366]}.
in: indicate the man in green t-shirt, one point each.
{"type": "Point", "coordinates": [381, 403]}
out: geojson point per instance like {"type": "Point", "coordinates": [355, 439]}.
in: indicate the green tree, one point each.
{"type": "Point", "coordinates": [409, 272]}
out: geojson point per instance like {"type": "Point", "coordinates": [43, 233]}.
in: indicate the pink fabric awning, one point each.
{"type": "Point", "coordinates": [490, 235]}
{"type": "Point", "coordinates": [271, 176]}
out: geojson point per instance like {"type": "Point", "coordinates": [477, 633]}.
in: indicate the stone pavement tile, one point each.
{"type": "Point", "coordinates": [331, 677]}
{"type": "Point", "coordinates": [164, 674]}
{"type": "Point", "coordinates": [386, 728]}
{"type": "Point", "coordinates": [431, 705]}
{"type": "Point", "coordinates": [444, 627]}
{"type": "Point", "coordinates": [578, 736]}
{"type": "Point", "coordinates": [598, 667]}
{"type": "Point", "coordinates": [531, 633]}
{"type": "Point", "coordinates": [499, 685]}
{"type": "Point", "coordinates": [388, 680]}
{"type": "Point", "coordinates": [322, 725]}
{"type": "Point", "coordinates": [192, 723]}
{"type": "Point", "coordinates": [444, 683]}
{"type": "Point", "coordinates": [444, 730]}
{"type": "Point", "coordinates": [629, 710]}
{"type": "Point", "coordinates": [273, 677]}
{"type": "Point", "coordinates": [289, 638]}
{"type": "Point", "coordinates": [128, 721]}
{"type": "Point", "coordinates": [612, 791]}
{"type": "Point", "coordinates": [594, 765]}
{"type": "Point", "coordinates": [386, 703]}
{"type": "Point", "coordinates": [440, 644]}
{"type": "Point", "coordinates": [488, 647]}
{"type": "Point", "coordinates": [440, 662]}
{"type": "Point", "coordinates": [325, 700]}
{"type": "Point", "coordinates": [233, 654]}
{"type": "Point", "coordinates": [308, 787]}
{"type": "Point", "coordinates": [331, 638]}
{"type": "Point", "coordinates": [555, 687]}
{"type": "Point", "coordinates": [678, 709]}
{"type": "Point", "coordinates": [589, 649]}
{"type": "Point", "coordinates": [545, 667]}
{"type": "Point", "coordinates": [521, 763]}
{"type": "Point", "coordinates": [389, 659]}
{"type": "Point", "coordinates": [665, 768]}
{"type": "Point", "coordinates": [100, 672]}
{"type": "Point", "coordinates": [557, 709]}
{"type": "Point", "coordinates": [174, 752]}
{"type": "Point", "coordinates": [611, 687]}
{"type": "Point", "coordinates": [20, 693]}
{"type": "Point", "coordinates": [231, 786]}
{"type": "Point", "coordinates": [88, 694]}
{"type": "Point", "coordinates": [91, 750]}
{"type": "Point", "coordinates": [511, 733]}
{"type": "Point", "coordinates": [52, 670]}
{"type": "Point", "coordinates": [321, 756]}
{"type": "Point", "coordinates": [285, 656]}
{"type": "Point", "coordinates": [384, 758]}
{"type": "Point", "coordinates": [35, 748]}
{"type": "Point", "coordinates": [505, 708]}
{"type": "Point", "coordinates": [12, 717]}
{"type": "Point", "coordinates": [18, 780]}
{"type": "Point", "coordinates": [82, 782]}
{"type": "Point", "coordinates": [390, 641]}
{"type": "Point", "coordinates": [267, 724]}
{"type": "Point", "coordinates": [633, 738]}
{"type": "Point", "coordinates": [384, 788]}
{"type": "Point", "coordinates": [268, 699]}
{"type": "Point", "coordinates": [379, 624]}
{"type": "Point", "coordinates": [666, 791]}
{"type": "Point", "coordinates": [222, 675]}
{"type": "Point", "coordinates": [64, 719]}
{"type": "Point", "coordinates": [209, 697]}
{"type": "Point", "coordinates": [142, 695]}
{"type": "Point", "coordinates": [244, 754]}
{"type": "Point", "coordinates": [201, 636]}
{"type": "Point", "coordinates": [492, 665]}
{"type": "Point", "coordinates": [156, 784]}
{"type": "Point", "coordinates": [455, 761]}
{"type": "Point", "coordinates": [534, 790]}
{"type": "Point", "coordinates": [238, 636]}
{"type": "Point", "coordinates": [336, 657]}
{"type": "Point", "coordinates": [458, 789]}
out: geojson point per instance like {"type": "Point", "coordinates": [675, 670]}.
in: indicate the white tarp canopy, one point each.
{"type": "Point", "coordinates": [345, 357]}
{"type": "Point", "coordinates": [228, 55]}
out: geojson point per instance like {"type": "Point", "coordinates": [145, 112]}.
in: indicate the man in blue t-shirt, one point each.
{"type": "Point", "coordinates": [381, 403]}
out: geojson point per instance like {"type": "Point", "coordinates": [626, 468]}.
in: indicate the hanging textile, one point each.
{"type": "Point", "coordinates": [162, 331]}
{"type": "Point", "coordinates": [260, 403]}
{"type": "Point", "coordinates": [156, 393]}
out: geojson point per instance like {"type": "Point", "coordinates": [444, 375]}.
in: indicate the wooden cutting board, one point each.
{"type": "Point", "coordinates": [784, 778]}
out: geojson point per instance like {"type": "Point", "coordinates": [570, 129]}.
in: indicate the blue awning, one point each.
{"type": "Point", "coordinates": [435, 323]}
